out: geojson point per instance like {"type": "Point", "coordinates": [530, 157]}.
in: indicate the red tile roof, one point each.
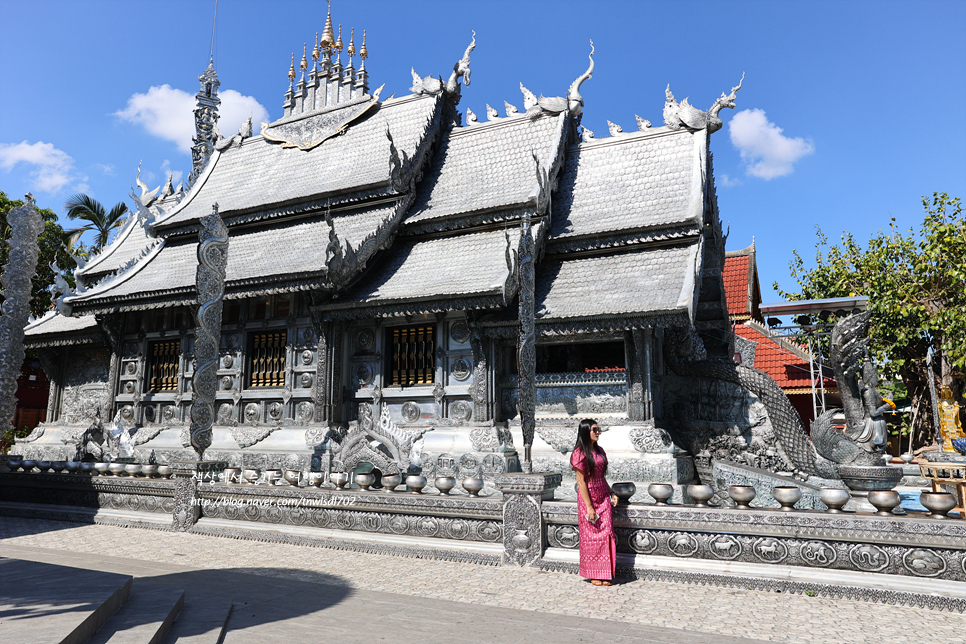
{"type": "Point", "coordinates": [785, 362]}
{"type": "Point", "coordinates": [735, 278]}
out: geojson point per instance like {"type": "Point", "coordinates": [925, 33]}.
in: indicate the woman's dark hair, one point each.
{"type": "Point", "coordinates": [583, 443]}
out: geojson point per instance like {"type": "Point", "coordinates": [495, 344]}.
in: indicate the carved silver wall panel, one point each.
{"type": "Point", "coordinates": [210, 284]}
{"type": "Point", "coordinates": [225, 413]}
{"type": "Point", "coordinates": [526, 345]}
{"type": "Point", "coordinates": [127, 412]}
{"type": "Point", "coordinates": [650, 439]}
{"type": "Point", "coordinates": [227, 382]}
{"type": "Point", "coordinates": [227, 362]}
{"type": "Point", "coordinates": [275, 411]}
{"type": "Point", "coordinates": [460, 410]}
{"type": "Point", "coordinates": [306, 357]}
{"type": "Point", "coordinates": [459, 331]}
{"type": "Point", "coordinates": [253, 412]}
{"type": "Point", "coordinates": [522, 533]}
{"type": "Point", "coordinates": [364, 339]}
{"type": "Point", "coordinates": [461, 369]}
{"type": "Point", "coordinates": [364, 374]}
{"type": "Point", "coordinates": [582, 400]}
{"type": "Point", "coordinates": [305, 380]}
{"type": "Point", "coordinates": [25, 224]}
{"type": "Point", "coordinates": [304, 411]}
{"type": "Point", "coordinates": [410, 411]}
{"type": "Point", "coordinates": [85, 380]}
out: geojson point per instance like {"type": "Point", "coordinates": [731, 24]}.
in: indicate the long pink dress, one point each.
{"type": "Point", "coordinates": [598, 547]}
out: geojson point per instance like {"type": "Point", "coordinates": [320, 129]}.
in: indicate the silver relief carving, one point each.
{"type": "Point", "coordinates": [460, 410]}
{"type": "Point", "coordinates": [650, 439]}
{"type": "Point", "coordinates": [210, 284]}
{"type": "Point", "coordinates": [307, 357]}
{"type": "Point", "coordinates": [469, 465]}
{"type": "Point", "coordinates": [461, 369]}
{"type": "Point", "coordinates": [364, 374]}
{"type": "Point", "coordinates": [868, 557]}
{"type": "Point", "coordinates": [227, 362]}
{"type": "Point", "coordinates": [364, 339]}
{"type": "Point", "coordinates": [275, 410]}
{"type": "Point", "coordinates": [725, 546]}
{"type": "Point", "coordinates": [127, 412]}
{"type": "Point", "coordinates": [227, 382]}
{"type": "Point", "coordinates": [770, 550]}
{"type": "Point", "coordinates": [642, 542]}
{"type": "Point", "coordinates": [522, 529]}
{"type": "Point", "coordinates": [410, 411]}
{"type": "Point", "coordinates": [306, 380]}
{"type": "Point", "coordinates": [225, 412]}
{"type": "Point", "coordinates": [252, 412]}
{"type": "Point", "coordinates": [460, 332]}
{"type": "Point", "coordinates": [923, 563]}
{"type": "Point", "coordinates": [682, 544]}
{"type": "Point", "coordinates": [818, 553]}
{"type": "Point", "coordinates": [304, 411]}
{"type": "Point", "coordinates": [526, 345]}
{"type": "Point", "coordinates": [26, 224]}
{"type": "Point", "coordinates": [563, 536]}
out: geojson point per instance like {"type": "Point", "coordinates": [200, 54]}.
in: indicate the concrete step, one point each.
{"type": "Point", "coordinates": [146, 617]}
{"type": "Point", "coordinates": [203, 620]}
{"type": "Point", "coordinates": [44, 603]}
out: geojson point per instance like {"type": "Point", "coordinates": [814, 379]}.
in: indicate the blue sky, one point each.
{"type": "Point", "coordinates": [849, 113]}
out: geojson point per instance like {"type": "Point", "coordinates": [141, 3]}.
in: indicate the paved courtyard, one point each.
{"type": "Point", "coordinates": [706, 614]}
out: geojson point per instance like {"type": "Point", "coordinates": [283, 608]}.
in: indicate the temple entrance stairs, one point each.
{"type": "Point", "coordinates": [47, 603]}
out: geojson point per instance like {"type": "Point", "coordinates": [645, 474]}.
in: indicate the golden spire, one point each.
{"type": "Point", "coordinates": [364, 53]}
{"type": "Point", "coordinates": [305, 63]}
{"type": "Point", "coordinates": [291, 69]}
{"type": "Point", "coordinates": [328, 39]}
{"type": "Point", "coordinates": [352, 43]}
{"type": "Point", "coordinates": [315, 50]}
{"type": "Point", "coordinates": [338, 43]}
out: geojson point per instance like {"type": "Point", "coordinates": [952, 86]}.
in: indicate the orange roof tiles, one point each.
{"type": "Point", "coordinates": [735, 278]}
{"type": "Point", "coordinates": [783, 364]}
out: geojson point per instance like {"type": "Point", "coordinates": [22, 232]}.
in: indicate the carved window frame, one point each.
{"type": "Point", "coordinates": [266, 359]}
{"type": "Point", "coordinates": [411, 349]}
{"type": "Point", "coordinates": [163, 366]}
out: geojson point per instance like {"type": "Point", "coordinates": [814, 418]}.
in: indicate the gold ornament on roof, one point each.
{"type": "Point", "coordinates": [352, 43]}
{"type": "Point", "coordinates": [305, 63]}
{"type": "Point", "coordinates": [315, 50]}
{"type": "Point", "coordinates": [338, 43]}
{"type": "Point", "coordinates": [328, 38]}
{"type": "Point", "coordinates": [364, 53]}
{"type": "Point", "coordinates": [291, 69]}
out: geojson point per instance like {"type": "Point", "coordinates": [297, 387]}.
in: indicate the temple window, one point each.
{"type": "Point", "coordinates": [266, 359]}
{"type": "Point", "coordinates": [584, 357]}
{"type": "Point", "coordinates": [232, 312]}
{"type": "Point", "coordinates": [412, 355]}
{"type": "Point", "coordinates": [282, 307]}
{"type": "Point", "coordinates": [163, 366]}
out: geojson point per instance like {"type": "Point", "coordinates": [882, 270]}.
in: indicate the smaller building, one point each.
{"type": "Point", "coordinates": [758, 346]}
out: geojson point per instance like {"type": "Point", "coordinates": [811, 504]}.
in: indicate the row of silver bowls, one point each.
{"type": "Point", "coordinates": [84, 467]}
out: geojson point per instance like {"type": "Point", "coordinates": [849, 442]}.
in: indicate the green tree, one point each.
{"type": "Point", "coordinates": [916, 285]}
{"type": "Point", "coordinates": [52, 249]}
{"type": "Point", "coordinates": [85, 208]}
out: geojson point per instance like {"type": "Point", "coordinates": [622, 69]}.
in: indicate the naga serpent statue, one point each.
{"type": "Point", "coordinates": [864, 438]}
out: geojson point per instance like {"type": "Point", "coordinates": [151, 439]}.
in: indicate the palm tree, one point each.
{"type": "Point", "coordinates": [85, 208]}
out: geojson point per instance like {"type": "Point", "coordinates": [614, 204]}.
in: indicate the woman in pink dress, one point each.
{"type": "Point", "coordinates": [598, 548]}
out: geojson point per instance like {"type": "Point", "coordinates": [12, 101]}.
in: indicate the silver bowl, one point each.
{"type": "Point", "coordinates": [787, 496]}
{"type": "Point", "coordinates": [835, 498]}
{"type": "Point", "coordinates": [906, 458]}
{"type": "Point", "coordinates": [43, 466]}
{"type": "Point", "coordinates": [473, 485]}
{"type": "Point", "coordinates": [165, 471]}
{"type": "Point", "coordinates": [231, 475]}
{"type": "Point", "coordinates": [339, 479]}
{"type": "Point", "coordinates": [58, 466]}
{"type": "Point", "coordinates": [444, 484]}
{"type": "Point", "coordinates": [292, 477]}
{"type": "Point", "coordinates": [742, 495]}
{"type": "Point", "coordinates": [103, 469]}
{"type": "Point", "coordinates": [365, 480]}
{"type": "Point", "coordinates": [72, 467]}
{"type": "Point", "coordinates": [28, 464]}
{"type": "Point", "coordinates": [885, 501]}
{"type": "Point", "coordinates": [701, 494]}
{"type": "Point", "coordinates": [416, 483]}
{"type": "Point", "coordinates": [391, 481]}
{"type": "Point", "coordinates": [623, 491]}
{"type": "Point", "coordinates": [661, 492]}
{"type": "Point", "coordinates": [132, 469]}
{"type": "Point", "coordinates": [315, 478]}
{"type": "Point", "coordinates": [272, 476]}
{"type": "Point", "coordinates": [251, 474]}
{"type": "Point", "coordinates": [117, 469]}
{"type": "Point", "coordinates": [13, 462]}
{"type": "Point", "coordinates": [149, 470]}
{"type": "Point", "coordinates": [86, 467]}
{"type": "Point", "coordinates": [938, 503]}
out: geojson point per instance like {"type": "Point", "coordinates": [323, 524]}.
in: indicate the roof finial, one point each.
{"type": "Point", "coordinates": [364, 53]}
{"type": "Point", "coordinates": [328, 38]}
{"type": "Point", "coordinates": [575, 100]}
{"type": "Point", "coordinates": [305, 63]}
{"type": "Point", "coordinates": [315, 50]}
{"type": "Point", "coordinates": [338, 42]}
{"type": "Point", "coordinates": [352, 43]}
{"type": "Point", "coordinates": [291, 69]}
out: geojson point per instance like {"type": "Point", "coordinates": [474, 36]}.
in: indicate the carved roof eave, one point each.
{"type": "Point", "coordinates": [589, 326]}
{"type": "Point", "coordinates": [125, 232]}
{"type": "Point", "coordinates": [187, 296]}
{"type": "Point", "coordinates": [43, 342]}
{"type": "Point", "coordinates": [398, 308]}
{"type": "Point", "coordinates": [654, 236]}
{"type": "Point", "coordinates": [477, 219]}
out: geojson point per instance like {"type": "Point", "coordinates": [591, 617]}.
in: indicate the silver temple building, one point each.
{"type": "Point", "coordinates": [407, 286]}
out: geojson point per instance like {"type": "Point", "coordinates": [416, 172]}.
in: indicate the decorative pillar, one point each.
{"type": "Point", "coordinates": [187, 508]}
{"type": "Point", "coordinates": [526, 354]}
{"type": "Point", "coordinates": [633, 343]}
{"type": "Point", "coordinates": [323, 368]}
{"type": "Point", "coordinates": [111, 327]}
{"type": "Point", "coordinates": [26, 224]}
{"type": "Point", "coordinates": [210, 280]}
{"type": "Point", "coordinates": [523, 496]}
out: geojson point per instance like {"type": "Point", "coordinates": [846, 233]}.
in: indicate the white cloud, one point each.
{"type": "Point", "coordinates": [168, 113]}
{"type": "Point", "coordinates": [727, 181]}
{"type": "Point", "coordinates": [107, 168]}
{"type": "Point", "coordinates": [767, 152]}
{"type": "Point", "coordinates": [52, 169]}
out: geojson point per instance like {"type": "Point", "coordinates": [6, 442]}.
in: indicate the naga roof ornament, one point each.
{"type": "Point", "coordinates": [614, 128]}
{"type": "Point", "coordinates": [683, 114]}
{"type": "Point", "coordinates": [574, 99]}
{"type": "Point", "coordinates": [433, 86]}
{"type": "Point", "coordinates": [642, 123]}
